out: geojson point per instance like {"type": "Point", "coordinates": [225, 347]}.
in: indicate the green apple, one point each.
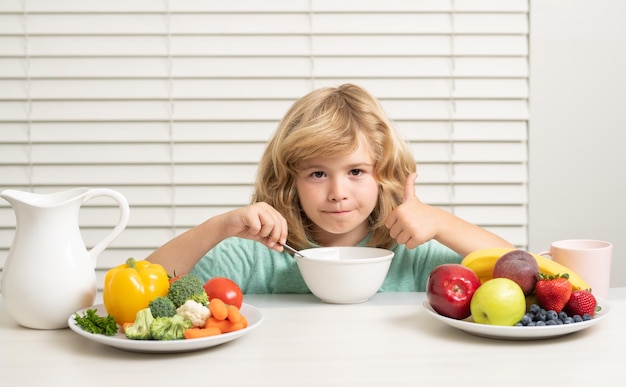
{"type": "Point", "coordinates": [499, 301]}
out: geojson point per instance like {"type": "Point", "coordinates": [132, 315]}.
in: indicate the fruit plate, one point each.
{"type": "Point", "coordinates": [252, 314]}
{"type": "Point", "coordinates": [520, 333]}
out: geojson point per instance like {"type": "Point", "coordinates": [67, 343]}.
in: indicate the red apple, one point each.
{"type": "Point", "coordinates": [450, 288]}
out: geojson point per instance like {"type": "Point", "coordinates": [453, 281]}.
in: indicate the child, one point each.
{"type": "Point", "coordinates": [335, 173]}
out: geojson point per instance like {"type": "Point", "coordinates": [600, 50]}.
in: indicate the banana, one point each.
{"type": "Point", "coordinates": [483, 261]}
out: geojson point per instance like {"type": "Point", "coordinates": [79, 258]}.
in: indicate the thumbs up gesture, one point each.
{"type": "Point", "coordinates": [413, 222]}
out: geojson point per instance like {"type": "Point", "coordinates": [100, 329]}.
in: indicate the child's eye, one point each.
{"type": "Point", "coordinates": [355, 172]}
{"type": "Point", "coordinates": [318, 174]}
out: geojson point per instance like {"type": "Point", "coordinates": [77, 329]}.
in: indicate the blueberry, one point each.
{"type": "Point", "coordinates": [552, 315]}
{"type": "Point", "coordinates": [541, 315]}
{"type": "Point", "coordinates": [538, 316]}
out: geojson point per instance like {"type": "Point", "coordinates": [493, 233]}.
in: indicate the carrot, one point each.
{"type": "Point", "coordinates": [126, 325]}
{"type": "Point", "coordinates": [236, 326]}
{"type": "Point", "coordinates": [223, 325]}
{"type": "Point", "coordinates": [198, 333]}
{"type": "Point", "coordinates": [218, 309]}
{"type": "Point", "coordinates": [234, 314]}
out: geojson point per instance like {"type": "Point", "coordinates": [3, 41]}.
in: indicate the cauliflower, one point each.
{"type": "Point", "coordinates": [194, 312]}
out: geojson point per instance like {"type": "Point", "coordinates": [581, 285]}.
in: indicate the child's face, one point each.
{"type": "Point", "coordinates": [338, 194]}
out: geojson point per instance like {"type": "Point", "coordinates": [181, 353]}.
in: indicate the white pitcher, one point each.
{"type": "Point", "coordinates": [49, 274]}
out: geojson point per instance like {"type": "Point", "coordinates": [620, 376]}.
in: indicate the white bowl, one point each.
{"type": "Point", "coordinates": [344, 275]}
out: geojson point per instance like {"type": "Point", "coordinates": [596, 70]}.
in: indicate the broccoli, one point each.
{"type": "Point", "coordinates": [187, 287]}
{"type": "Point", "coordinates": [169, 328]}
{"type": "Point", "coordinates": [162, 307]}
{"type": "Point", "coordinates": [140, 330]}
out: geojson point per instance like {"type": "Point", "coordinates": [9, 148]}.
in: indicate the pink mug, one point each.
{"type": "Point", "coordinates": [591, 259]}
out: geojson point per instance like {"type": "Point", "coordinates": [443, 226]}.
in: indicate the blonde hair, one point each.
{"type": "Point", "coordinates": [329, 122]}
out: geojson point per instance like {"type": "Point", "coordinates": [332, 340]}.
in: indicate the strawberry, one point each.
{"type": "Point", "coordinates": [581, 302]}
{"type": "Point", "coordinates": [553, 291]}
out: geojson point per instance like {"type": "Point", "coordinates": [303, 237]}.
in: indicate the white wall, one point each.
{"type": "Point", "coordinates": [578, 124]}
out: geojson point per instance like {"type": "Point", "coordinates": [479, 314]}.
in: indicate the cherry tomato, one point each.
{"type": "Point", "coordinates": [225, 289]}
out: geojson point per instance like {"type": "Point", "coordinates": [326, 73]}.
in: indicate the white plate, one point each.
{"type": "Point", "coordinates": [120, 341]}
{"type": "Point", "coordinates": [520, 333]}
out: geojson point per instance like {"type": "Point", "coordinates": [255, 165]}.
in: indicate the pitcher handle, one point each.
{"type": "Point", "coordinates": [121, 223]}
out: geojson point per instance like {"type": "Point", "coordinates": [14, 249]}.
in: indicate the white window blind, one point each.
{"type": "Point", "coordinates": [171, 102]}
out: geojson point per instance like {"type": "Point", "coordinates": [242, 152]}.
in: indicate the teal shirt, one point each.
{"type": "Point", "coordinates": [260, 270]}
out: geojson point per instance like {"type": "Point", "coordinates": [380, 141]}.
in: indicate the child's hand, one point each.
{"type": "Point", "coordinates": [260, 222]}
{"type": "Point", "coordinates": [413, 222]}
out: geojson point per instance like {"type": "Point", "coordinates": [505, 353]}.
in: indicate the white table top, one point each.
{"type": "Point", "coordinates": [388, 341]}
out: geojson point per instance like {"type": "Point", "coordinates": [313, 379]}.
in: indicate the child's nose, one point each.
{"type": "Point", "coordinates": [337, 190]}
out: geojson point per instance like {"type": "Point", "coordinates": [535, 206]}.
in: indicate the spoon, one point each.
{"type": "Point", "coordinates": [293, 250]}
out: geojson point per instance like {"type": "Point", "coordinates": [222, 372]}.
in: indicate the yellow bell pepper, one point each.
{"type": "Point", "coordinates": [131, 286]}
